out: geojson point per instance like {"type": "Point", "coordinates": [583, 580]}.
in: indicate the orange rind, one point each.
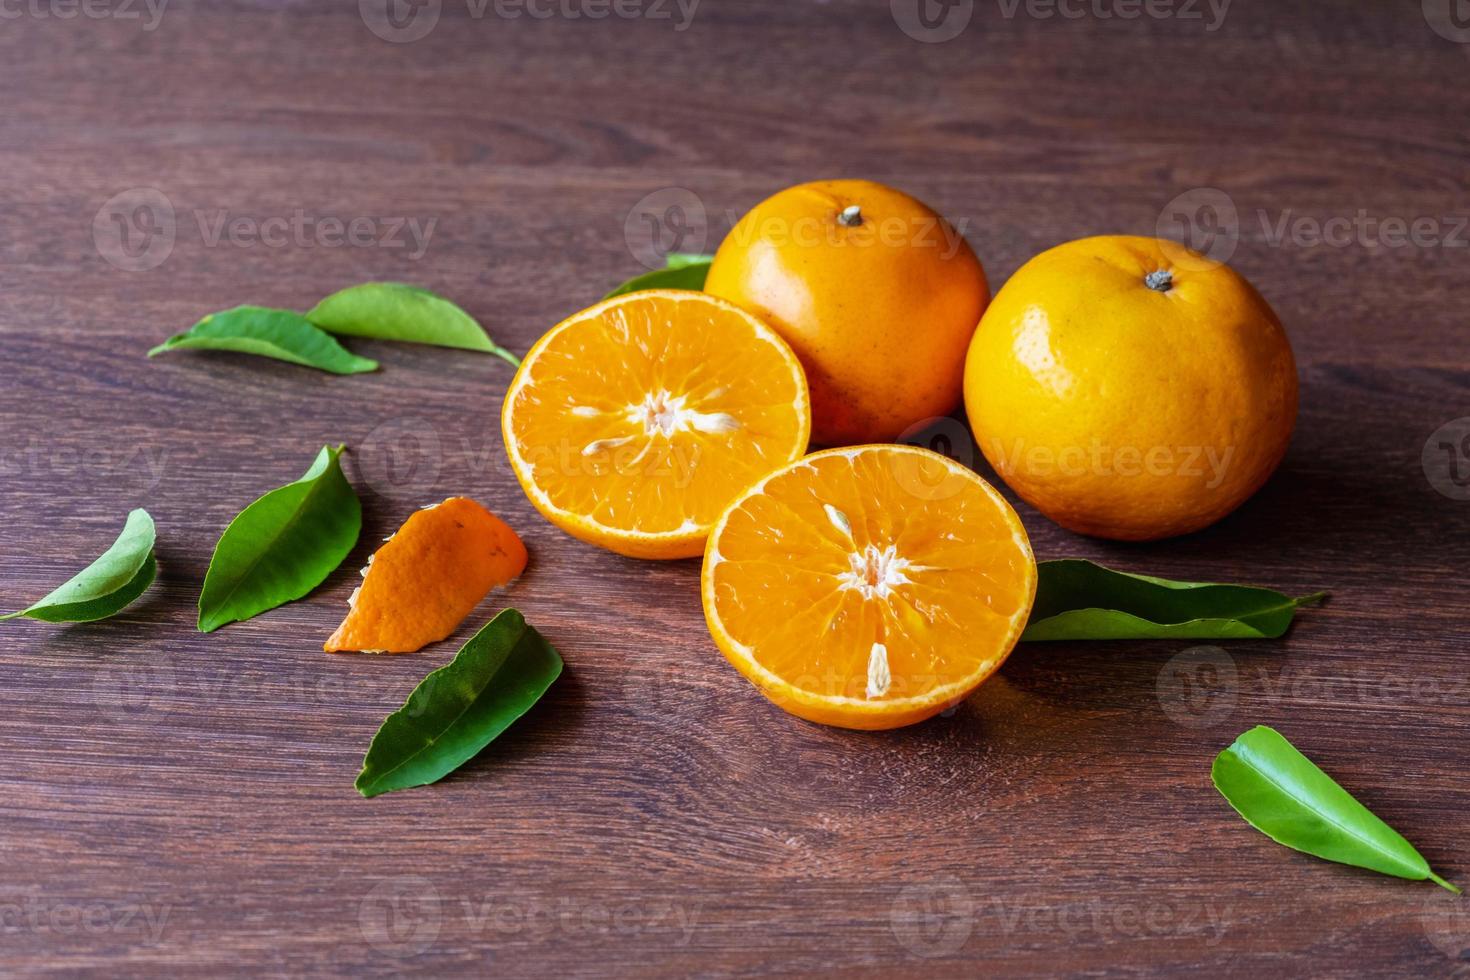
{"type": "Point", "coordinates": [428, 577]}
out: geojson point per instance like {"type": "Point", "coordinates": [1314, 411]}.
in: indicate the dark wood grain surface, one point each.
{"type": "Point", "coordinates": [178, 803]}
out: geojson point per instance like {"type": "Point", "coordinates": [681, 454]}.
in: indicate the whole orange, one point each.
{"type": "Point", "coordinates": [1130, 388]}
{"type": "Point", "coordinates": [875, 291]}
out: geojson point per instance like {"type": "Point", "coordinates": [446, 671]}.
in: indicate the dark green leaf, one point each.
{"type": "Point", "coordinates": [1285, 796]}
{"type": "Point", "coordinates": [462, 707]}
{"type": "Point", "coordinates": [682, 271]}
{"type": "Point", "coordinates": [106, 586]}
{"type": "Point", "coordinates": [282, 546]}
{"type": "Point", "coordinates": [280, 334]}
{"type": "Point", "coordinates": [394, 311]}
{"type": "Point", "coordinates": [1080, 600]}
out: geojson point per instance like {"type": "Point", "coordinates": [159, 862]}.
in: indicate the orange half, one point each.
{"type": "Point", "coordinates": [633, 424]}
{"type": "Point", "coordinates": [870, 587]}
{"type": "Point", "coordinates": [428, 577]}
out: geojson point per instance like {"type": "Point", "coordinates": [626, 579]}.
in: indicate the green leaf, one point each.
{"type": "Point", "coordinates": [281, 334]}
{"type": "Point", "coordinates": [109, 584]}
{"type": "Point", "coordinates": [394, 311]}
{"type": "Point", "coordinates": [682, 260]}
{"type": "Point", "coordinates": [1285, 796]}
{"type": "Point", "coordinates": [681, 271]}
{"type": "Point", "coordinates": [282, 546]}
{"type": "Point", "coordinates": [462, 707]}
{"type": "Point", "coordinates": [1080, 600]}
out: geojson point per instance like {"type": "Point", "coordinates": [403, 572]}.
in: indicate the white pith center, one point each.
{"type": "Point", "coordinates": [666, 414]}
{"type": "Point", "coordinates": [875, 573]}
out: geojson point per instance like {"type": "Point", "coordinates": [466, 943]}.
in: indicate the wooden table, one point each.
{"type": "Point", "coordinates": [172, 802]}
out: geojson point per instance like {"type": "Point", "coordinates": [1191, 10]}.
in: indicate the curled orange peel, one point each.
{"type": "Point", "coordinates": [428, 577]}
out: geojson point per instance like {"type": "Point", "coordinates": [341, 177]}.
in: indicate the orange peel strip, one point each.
{"type": "Point", "coordinates": [428, 577]}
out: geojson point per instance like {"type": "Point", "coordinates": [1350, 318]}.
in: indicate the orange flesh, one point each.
{"type": "Point", "coordinates": [428, 577]}
{"type": "Point", "coordinates": [871, 587]}
{"type": "Point", "coordinates": [634, 424]}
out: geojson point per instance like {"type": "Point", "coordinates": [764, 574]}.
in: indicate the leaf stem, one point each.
{"type": "Point", "coordinates": [1306, 600]}
{"type": "Point", "coordinates": [1444, 884]}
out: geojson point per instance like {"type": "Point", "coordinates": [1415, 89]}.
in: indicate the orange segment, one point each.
{"type": "Point", "coordinates": [868, 588]}
{"type": "Point", "coordinates": [428, 577]}
{"type": "Point", "coordinates": [633, 424]}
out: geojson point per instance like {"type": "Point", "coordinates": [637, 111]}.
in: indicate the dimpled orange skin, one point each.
{"type": "Point", "coordinates": [880, 313]}
{"type": "Point", "coordinates": [1124, 410]}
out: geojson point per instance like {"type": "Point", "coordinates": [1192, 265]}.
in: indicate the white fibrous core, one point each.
{"type": "Point", "coordinates": [666, 414]}
{"type": "Point", "coordinates": [875, 573]}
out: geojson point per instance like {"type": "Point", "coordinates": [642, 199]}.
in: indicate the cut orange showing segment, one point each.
{"type": "Point", "coordinates": [428, 577]}
{"type": "Point", "coordinates": [870, 587]}
{"type": "Point", "coordinates": [633, 424]}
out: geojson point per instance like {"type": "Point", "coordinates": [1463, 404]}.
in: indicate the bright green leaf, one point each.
{"type": "Point", "coordinates": [462, 707]}
{"type": "Point", "coordinates": [1080, 600]}
{"type": "Point", "coordinates": [109, 584]}
{"type": "Point", "coordinates": [682, 260]}
{"type": "Point", "coordinates": [395, 311]}
{"type": "Point", "coordinates": [282, 546]}
{"type": "Point", "coordinates": [279, 334]}
{"type": "Point", "coordinates": [682, 271]}
{"type": "Point", "coordinates": [1285, 796]}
